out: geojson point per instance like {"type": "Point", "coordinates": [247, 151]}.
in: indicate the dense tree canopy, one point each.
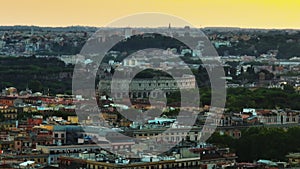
{"type": "Point", "coordinates": [38, 74]}
{"type": "Point", "coordinates": [238, 98]}
{"type": "Point", "coordinates": [261, 143]}
{"type": "Point", "coordinates": [286, 44]}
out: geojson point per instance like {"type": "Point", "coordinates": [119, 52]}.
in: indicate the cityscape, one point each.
{"type": "Point", "coordinates": [153, 93]}
{"type": "Point", "coordinates": [41, 127]}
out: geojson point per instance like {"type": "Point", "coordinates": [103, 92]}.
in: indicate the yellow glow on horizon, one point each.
{"type": "Point", "coordinates": [200, 13]}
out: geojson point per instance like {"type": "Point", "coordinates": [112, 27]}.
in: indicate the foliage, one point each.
{"type": "Point", "coordinates": [261, 143]}
{"type": "Point", "coordinates": [38, 74]}
{"type": "Point", "coordinates": [286, 44]}
{"type": "Point", "coordinates": [172, 113]}
{"type": "Point", "coordinates": [239, 98]}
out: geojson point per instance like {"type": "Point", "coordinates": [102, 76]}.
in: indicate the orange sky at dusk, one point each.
{"type": "Point", "coordinates": [200, 13]}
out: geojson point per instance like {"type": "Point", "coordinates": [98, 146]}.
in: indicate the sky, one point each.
{"type": "Point", "coordinates": [200, 13]}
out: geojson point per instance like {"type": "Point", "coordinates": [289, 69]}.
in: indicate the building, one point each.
{"type": "Point", "coordinates": [142, 88]}
{"type": "Point", "coordinates": [277, 116]}
{"type": "Point", "coordinates": [9, 113]}
{"type": "Point", "coordinates": [23, 144]}
{"type": "Point", "coordinates": [38, 158]}
{"type": "Point", "coordinates": [294, 159]}
{"type": "Point", "coordinates": [54, 151]}
{"type": "Point", "coordinates": [68, 162]}
{"type": "Point", "coordinates": [186, 154]}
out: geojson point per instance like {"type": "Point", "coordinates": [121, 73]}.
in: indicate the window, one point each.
{"type": "Point", "coordinates": [56, 135]}
{"type": "Point", "coordinates": [62, 135]}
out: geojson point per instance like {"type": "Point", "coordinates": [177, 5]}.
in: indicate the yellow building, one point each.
{"type": "Point", "coordinates": [73, 119]}
{"type": "Point", "coordinates": [9, 113]}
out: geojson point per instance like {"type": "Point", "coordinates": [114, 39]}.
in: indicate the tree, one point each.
{"type": "Point", "coordinates": [35, 85]}
{"type": "Point", "coordinates": [289, 88]}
